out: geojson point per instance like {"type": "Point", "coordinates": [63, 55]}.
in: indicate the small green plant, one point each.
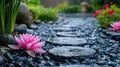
{"type": "Point", "coordinates": [35, 11]}
{"type": "Point", "coordinates": [34, 6]}
{"type": "Point", "coordinates": [62, 6]}
{"type": "Point", "coordinates": [40, 12]}
{"type": "Point", "coordinates": [11, 16]}
{"type": "Point", "coordinates": [71, 9]}
{"type": "Point", "coordinates": [47, 14]}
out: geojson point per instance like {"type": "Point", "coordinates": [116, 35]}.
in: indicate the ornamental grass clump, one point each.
{"type": "Point", "coordinates": [30, 43]}
{"type": "Point", "coordinates": [109, 14]}
{"type": "Point", "coordinates": [10, 13]}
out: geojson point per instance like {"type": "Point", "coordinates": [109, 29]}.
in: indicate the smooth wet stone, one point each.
{"type": "Point", "coordinates": [8, 56]}
{"type": "Point", "coordinates": [20, 27]}
{"type": "Point", "coordinates": [33, 26]}
{"type": "Point", "coordinates": [72, 51]}
{"type": "Point", "coordinates": [1, 60]}
{"type": "Point", "coordinates": [68, 34]}
{"type": "Point", "coordinates": [6, 39]}
{"type": "Point", "coordinates": [38, 22]}
{"type": "Point", "coordinates": [4, 50]}
{"type": "Point", "coordinates": [101, 62]}
{"type": "Point", "coordinates": [112, 64]}
{"type": "Point", "coordinates": [67, 41]}
{"type": "Point", "coordinates": [50, 22]}
{"type": "Point", "coordinates": [30, 31]}
{"type": "Point", "coordinates": [64, 29]}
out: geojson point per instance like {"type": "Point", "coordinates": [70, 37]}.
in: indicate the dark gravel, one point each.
{"type": "Point", "coordinates": [107, 48]}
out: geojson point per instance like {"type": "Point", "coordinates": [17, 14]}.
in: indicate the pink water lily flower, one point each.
{"type": "Point", "coordinates": [30, 43]}
{"type": "Point", "coordinates": [116, 26]}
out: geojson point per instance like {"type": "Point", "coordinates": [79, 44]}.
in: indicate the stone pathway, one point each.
{"type": "Point", "coordinates": [80, 38]}
{"type": "Point", "coordinates": [70, 35]}
{"type": "Point", "coordinates": [75, 42]}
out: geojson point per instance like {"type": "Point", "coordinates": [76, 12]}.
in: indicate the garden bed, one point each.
{"type": "Point", "coordinates": [107, 49]}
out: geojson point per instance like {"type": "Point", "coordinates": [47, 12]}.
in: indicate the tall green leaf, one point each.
{"type": "Point", "coordinates": [12, 14]}
{"type": "Point", "coordinates": [2, 16]}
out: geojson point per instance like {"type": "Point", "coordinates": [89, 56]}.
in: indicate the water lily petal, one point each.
{"type": "Point", "coordinates": [39, 50]}
{"type": "Point", "coordinates": [18, 41]}
{"type": "Point", "coordinates": [22, 40]}
{"type": "Point", "coordinates": [29, 46]}
{"type": "Point", "coordinates": [35, 41]}
{"type": "Point", "coordinates": [31, 53]}
{"type": "Point", "coordinates": [25, 37]}
{"type": "Point", "coordinates": [14, 47]}
{"type": "Point", "coordinates": [38, 45]}
{"type": "Point", "coordinates": [32, 38]}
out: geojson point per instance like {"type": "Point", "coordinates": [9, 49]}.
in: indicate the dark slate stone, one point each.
{"type": "Point", "coordinates": [67, 41]}
{"type": "Point", "coordinates": [72, 51]}
{"type": "Point", "coordinates": [101, 62]}
{"type": "Point", "coordinates": [6, 39]}
{"type": "Point", "coordinates": [113, 64]}
{"type": "Point", "coordinates": [114, 35]}
{"type": "Point", "coordinates": [8, 56]}
{"type": "Point", "coordinates": [1, 60]}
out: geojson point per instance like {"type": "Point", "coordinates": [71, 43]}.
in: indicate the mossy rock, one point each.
{"type": "Point", "coordinates": [6, 39]}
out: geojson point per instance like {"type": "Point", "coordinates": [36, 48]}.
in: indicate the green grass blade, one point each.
{"type": "Point", "coordinates": [2, 16]}
{"type": "Point", "coordinates": [13, 10]}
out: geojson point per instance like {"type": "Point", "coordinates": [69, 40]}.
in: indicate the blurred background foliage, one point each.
{"type": "Point", "coordinates": [50, 13]}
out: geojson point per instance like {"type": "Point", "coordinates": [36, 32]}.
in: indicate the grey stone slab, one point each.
{"type": "Point", "coordinates": [72, 51]}
{"type": "Point", "coordinates": [67, 41]}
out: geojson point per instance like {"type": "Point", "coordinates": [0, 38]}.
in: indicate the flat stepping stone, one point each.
{"type": "Point", "coordinates": [72, 51]}
{"type": "Point", "coordinates": [64, 29]}
{"type": "Point", "coordinates": [71, 26]}
{"type": "Point", "coordinates": [67, 41]}
{"type": "Point", "coordinates": [82, 66]}
{"type": "Point", "coordinates": [68, 34]}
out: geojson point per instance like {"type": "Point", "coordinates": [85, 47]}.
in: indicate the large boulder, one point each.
{"type": "Point", "coordinates": [24, 15]}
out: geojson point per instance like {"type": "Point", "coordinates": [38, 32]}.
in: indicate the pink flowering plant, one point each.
{"type": "Point", "coordinates": [30, 43]}
{"type": "Point", "coordinates": [109, 14]}
{"type": "Point", "coordinates": [115, 26]}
